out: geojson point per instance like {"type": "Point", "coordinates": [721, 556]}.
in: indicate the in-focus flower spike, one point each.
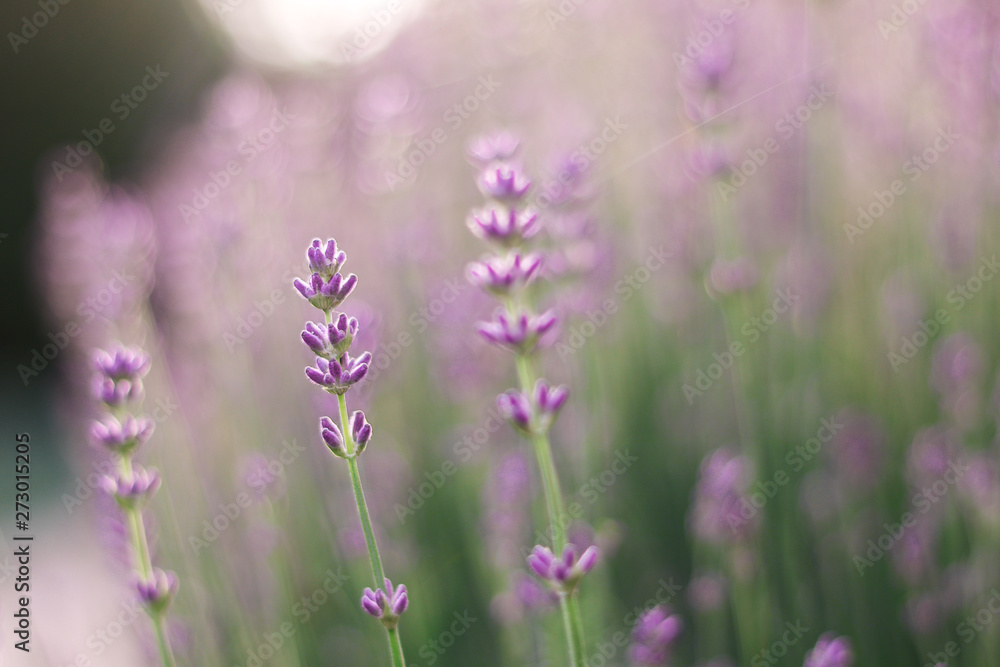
{"type": "Point", "coordinates": [386, 604]}
{"type": "Point", "coordinates": [326, 294]}
{"type": "Point", "coordinates": [122, 363]}
{"type": "Point", "coordinates": [325, 260]}
{"type": "Point", "coordinates": [132, 490]}
{"type": "Point", "coordinates": [158, 591]}
{"type": "Point", "coordinates": [562, 572]}
{"type": "Point", "coordinates": [329, 341]}
{"type": "Point", "coordinates": [491, 148]}
{"type": "Point", "coordinates": [830, 651]}
{"type": "Point", "coordinates": [332, 436]}
{"type": "Point", "coordinates": [515, 407]}
{"type": "Point", "coordinates": [520, 333]}
{"type": "Point", "coordinates": [504, 182]}
{"type": "Point", "coordinates": [501, 275]}
{"type": "Point", "coordinates": [506, 226]}
{"type": "Point", "coordinates": [361, 430]}
{"type": "Point", "coordinates": [654, 636]}
{"type": "Point", "coordinates": [339, 375]}
{"type": "Point", "coordinates": [121, 436]}
{"type": "Point", "coordinates": [116, 393]}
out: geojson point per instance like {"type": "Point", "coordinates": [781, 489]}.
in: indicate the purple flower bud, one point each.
{"type": "Point", "coordinates": [520, 333]}
{"type": "Point", "coordinates": [132, 490]}
{"type": "Point", "coordinates": [830, 651]}
{"type": "Point", "coordinates": [501, 275]}
{"type": "Point", "coordinates": [506, 226]}
{"type": "Point", "coordinates": [121, 436]}
{"type": "Point", "coordinates": [730, 276]}
{"type": "Point", "coordinates": [548, 400]}
{"type": "Point", "coordinates": [504, 182]}
{"type": "Point", "coordinates": [492, 148]}
{"type": "Point", "coordinates": [515, 407]}
{"type": "Point", "coordinates": [387, 604]}
{"type": "Point", "coordinates": [326, 294]}
{"type": "Point", "coordinates": [361, 430]}
{"type": "Point", "coordinates": [157, 592]}
{"type": "Point", "coordinates": [333, 340]}
{"type": "Point", "coordinates": [327, 260]}
{"type": "Point", "coordinates": [654, 636]}
{"type": "Point", "coordinates": [563, 572]}
{"type": "Point", "coordinates": [115, 393]}
{"type": "Point", "coordinates": [332, 436]}
{"type": "Point", "coordinates": [122, 363]}
{"type": "Point", "coordinates": [338, 375]}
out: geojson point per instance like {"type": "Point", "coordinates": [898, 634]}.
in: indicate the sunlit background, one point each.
{"type": "Point", "coordinates": [769, 231]}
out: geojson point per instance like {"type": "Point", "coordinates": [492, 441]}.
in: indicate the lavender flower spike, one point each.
{"type": "Point", "coordinates": [158, 591]}
{"type": "Point", "coordinates": [386, 604]}
{"type": "Point", "coordinates": [654, 635]}
{"type": "Point", "coordinates": [339, 375]}
{"type": "Point", "coordinates": [830, 651]}
{"type": "Point", "coordinates": [562, 572]}
{"type": "Point", "coordinates": [521, 332]}
{"type": "Point", "coordinates": [501, 275]}
{"type": "Point", "coordinates": [326, 294]}
{"type": "Point", "coordinates": [506, 226]}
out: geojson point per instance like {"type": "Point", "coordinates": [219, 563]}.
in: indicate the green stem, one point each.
{"type": "Point", "coordinates": [395, 647]}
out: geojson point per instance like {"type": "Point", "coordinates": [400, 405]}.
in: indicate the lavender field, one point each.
{"type": "Point", "coordinates": [543, 332]}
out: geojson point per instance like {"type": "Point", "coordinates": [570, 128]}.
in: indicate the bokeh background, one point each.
{"type": "Point", "coordinates": [770, 234]}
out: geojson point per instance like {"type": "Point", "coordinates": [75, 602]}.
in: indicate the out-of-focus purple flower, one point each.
{"type": "Point", "coordinates": [914, 556]}
{"type": "Point", "coordinates": [932, 452]}
{"type": "Point", "coordinates": [339, 375]}
{"type": "Point", "coordinates": [157, 591]}
{"type": "Point", "coordinates": [501, 275]}
{"type": "Point", "coordinates": [563, 572]}
{"type": "Point", "coordinates": [504, 182]}
{"type": "Point", "coordinates": [361, 430]}
{"type": "Point", "coordinates": [132, 490]}
{"type": "Point", "coordinates": [858, 450]}
{"type": "Point", "coordinates": [830, 651]}
{"type": "Point", "coordinates": [121, 436]}
{"type": "Point", "coordinates": [116, 393]}
{"type": "Point", "coordinates": [537, 414]}
{"type": "Point", "coordinates": [493, 147]}
{"type": "Point", "coordinates": [386, 604]}
{"type": "Point", "coordinates": [122, 363]}
{"type": "Point", "coordinates": [332, 340]}
{"type": "Point", "coordinates": [326, 294]}
{"type": "Point", "coordinates": [262, 477]}
{"type": "Point", "coordinates": [957, 362]}
{"type": "Point", "coordinates": [506, 226]}
{"type": "Point", "coordinates": [515, 407]}
{"type": "Point", "coordinates": [718, 514]}
{"type": "Point", "coordinates": [654, 636]}
{"type": "Point", "coordinates": [532, 595]}
{"type": "Point", "coordinates": [325, 260]}
{"type": "Point", "coordinates": [707, 592]}
{"type": "Point", "coordinates": [981, 486]}
{"type": "Point", "coordinates": [332, 436]}
{"type": "Point", "coordinates": [521, 332]}
{"type": "Point", "coordinates": [733, 275]}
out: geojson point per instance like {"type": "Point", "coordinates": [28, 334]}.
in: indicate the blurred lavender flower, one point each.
{"type": "Point", "coordinates": [502, 274]}
{"type": "Point", "coordinates": [932, 453]}
{"type": "Point", "coordinates": [562, 572]}
{"type": "Point", "coordinates": [121, 436]}
{"type": "Point", "coordinates": [830, 651]}
{"type": "Point", "coordinates": [519, 332]}
{"type": "Point", "coordinates": [716, 515]}
{"type": "Point", "coordinates": [858, 450]}
{"type": "Point", "coordinates": [159, 590]}
{"type": "Point", "coordinates": [736, 275]}
{"type": "Point", "coordinates": [505, 226]}
{"type": "Point", "coordinates": [504, 182]}
{"type": "Point", "coordinates": [493, 148]}
{"type": "Point", "coordinates": [654, 636]}
{"type": "Point", "coordinates": [132, 490]}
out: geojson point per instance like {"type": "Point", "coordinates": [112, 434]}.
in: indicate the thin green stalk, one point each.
{"type": "Point", "coordinates": [395, 647]}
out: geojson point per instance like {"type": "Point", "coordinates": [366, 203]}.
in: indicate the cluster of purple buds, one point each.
{"type": "Point", "coordinates": [536, 413]}
{"type": "Point", "coordinates": [830, 651]}
{"type": "Point", "coordinates": [159, 590]}
{"type": "Point", "coordinates": [503, 274]}
{"type": "Point", "coordinates": [326, 288]}
{"type": "Point", "coordinates": [339, 374]}
{"type": "Point", "coordinates": [386, 604]}
{"type": "Point", "coordinates": [521, 332]}
{"type": "Point", "coordinates": [330, 340]}
{"type": "Point", "coordinates": [562, 572]}
{"type": "Point", "coordinates": [132, 489]}
{"type": "Point", "coordinates": [121, 435]}
{"type": "Point", "coordinates": [654, 636]}
{"type": "Point", "coordinates": [504, 225]}
{"type": "Point", "coordinates": [361, 433]}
